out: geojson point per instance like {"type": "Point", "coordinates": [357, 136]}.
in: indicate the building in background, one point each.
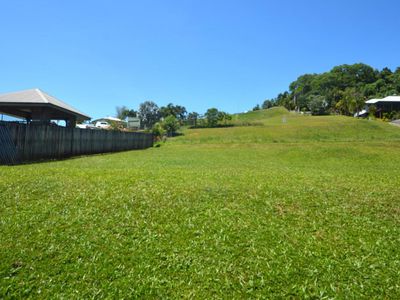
{"type": "Point", "coordinates": [133, 123]}
{"type": "Point", "coordinates": [386, 105]}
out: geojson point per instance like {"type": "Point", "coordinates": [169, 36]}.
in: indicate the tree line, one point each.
{"type": "Point", "coordinates": [168, 119]}
{"type": "Point", "coordinates": [342, 90]}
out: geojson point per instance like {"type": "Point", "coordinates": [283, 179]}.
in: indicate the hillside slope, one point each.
{"type": "Point", "coordinates": [277, 125]}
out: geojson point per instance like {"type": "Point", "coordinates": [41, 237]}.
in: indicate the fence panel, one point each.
{"type": "Point", "coordinates": [24, 143]}
{"type": "Point", "coordinates": [8, 151]}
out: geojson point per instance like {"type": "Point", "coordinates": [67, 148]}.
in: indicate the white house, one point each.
{"type": "Point", "coordinates": [385, 105]}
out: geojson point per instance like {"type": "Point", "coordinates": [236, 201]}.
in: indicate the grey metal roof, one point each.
{"type": "Point", "coordinates": [37, 96]}
{"type": "Point", "coordinates": [386, 99]}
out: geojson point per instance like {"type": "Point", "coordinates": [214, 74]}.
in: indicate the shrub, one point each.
{"type": "Point", "coordinates": [171, 125]}
{"type": "Point", "coordinates": [158, 131]}
{"type": "Point", "coordinates": [372, 111]}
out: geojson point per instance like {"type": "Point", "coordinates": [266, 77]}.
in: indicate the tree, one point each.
{"type": "Point", "coordinates": [179, 112]}
{"type": "Point", "coordinates": [212, 117]}
{"type": "Point", "coordinates": [158, 131]}
{"type": "Point", "coordinates": [149, 114]}
{"type": "Point", "coordinates": [353, 100]}
{"type": "Point", "coordinates": [267, 104]}
{"type": "Point", "coordinates": [285, 99]}
{"type": "Point", "coordinates": [122, 112]}
{"type": "Point", "coordinates": [257, 107]}
{"type": "Point", "coordinates": [344, 88]}
{"type": "Point", "coordinates": [372, 110]}
{"type": "Point", "coordinates": [318, 105]}
{"type": "Point", "coordinates": [224, 117]}
{"type": "Point", "coordinates": [171, 125]}
{"type": "Point", "coordinates": [192, 118]}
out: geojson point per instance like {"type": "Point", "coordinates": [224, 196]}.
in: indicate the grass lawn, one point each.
{"type": "Point", "coordinates": [295, 207]}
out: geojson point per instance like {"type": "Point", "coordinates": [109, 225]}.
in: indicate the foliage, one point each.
{"type": "Point", "coordinates": [116, 125]}
{"type": "Point", "coordinates": [224, 117]}
{"type": "Point", "coordinates": [171, 125]}
{"type": "Point", "coordinates": [288, 210]}
{"type": "Point", "coordinates": [179, 112]}
{"type": "Point", "coordinates": [192, 118]}
{"type": "Point", "coordinates": [158, 131]}
{"type": "Point", "coordinates": [372, 110]}
{"type": "Point", "coordinates": [390, 116]}
{"type": "Point", "coordinates": [123, 112]}
{"type": "Point", "coordinates": [318, 105]}
{"type": "Point", "coordinates": [257, 107]}
{"type": "Point", "coordinates": [268, 104]}
{"type": "Point", "coordinates": [345, 88]}
{"type": "Point", "coordinates": [215, 117]}
{"type": "Point", "coordinates": [212, 116]}
{"type": "Point", "coordinates": [149, 114]}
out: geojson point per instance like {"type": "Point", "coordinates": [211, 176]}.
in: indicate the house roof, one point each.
{"type": "Point", "coordinates": [37, 97]}
{"type": "Point", "coordinates": [109, 119]}
{"type": "Point", "coordinates": [391, 99]}
{"type": "Point", "coordinates": [372, 101]}
{"type": "Point", "coordinates": [386, 99]}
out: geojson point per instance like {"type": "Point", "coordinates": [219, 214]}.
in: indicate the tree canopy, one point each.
{"type": "Point", "coordinates": [344, 89]}
{"type": "Point", "coordinates": [178, 111]}
{"type": "Point", "coordinates": [149, 114]}
{"type": "Point", "coordinates": [171, 125]}
{"type": "Point", "coordinates": [122, 112]}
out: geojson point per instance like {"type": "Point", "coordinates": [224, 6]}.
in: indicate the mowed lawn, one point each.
{"type": "Point", "coordinates": [293, 207]}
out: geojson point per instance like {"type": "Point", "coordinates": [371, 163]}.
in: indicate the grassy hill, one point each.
{"type": "Point", "coordinates": [279, 125]}
{"type": "Point", "coordinates": [295, 207]}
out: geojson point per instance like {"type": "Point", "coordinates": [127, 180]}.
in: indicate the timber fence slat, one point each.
{"type": "Point", "coordinates": [24, 143]}
{"type": "Point", "coordinates": [8, 151]}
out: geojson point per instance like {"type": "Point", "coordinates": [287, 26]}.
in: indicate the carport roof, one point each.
{"type": "Point", "coordinates": [25, 100]}
{"type": "Point", "coordinates": [386, 99]}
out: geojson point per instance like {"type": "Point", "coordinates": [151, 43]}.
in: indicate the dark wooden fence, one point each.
{"type": "Point", "coordinates": [24, 143]}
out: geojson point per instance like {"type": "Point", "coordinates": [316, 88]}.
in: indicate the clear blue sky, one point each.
{"type": "Point", "coordinates": [96, 55]}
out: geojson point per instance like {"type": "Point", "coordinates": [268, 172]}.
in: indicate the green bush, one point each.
{"type": "Point", "coordinates": [158, 131]}
{"type": "Point", "coordinates": [171, 125]}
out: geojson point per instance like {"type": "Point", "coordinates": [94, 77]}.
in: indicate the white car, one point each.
{"type": "Point", "coordinates": [102, 125]}
{"type": "Point", "coordinates": [81, 126]}
{"type": "Point", "coordinates": [86, 126]}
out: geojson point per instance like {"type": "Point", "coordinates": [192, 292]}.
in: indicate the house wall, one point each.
{"type": "Point", "coordinates": [388, 106]}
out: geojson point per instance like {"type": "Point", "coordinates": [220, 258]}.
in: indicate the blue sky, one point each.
{"type": "Point", "coordinates": [96, 55]}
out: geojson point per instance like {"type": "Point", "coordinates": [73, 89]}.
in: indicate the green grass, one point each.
{"type": "Point", "coordinates": [306, 208]}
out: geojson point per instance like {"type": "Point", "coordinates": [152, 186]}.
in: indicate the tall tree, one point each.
{"type": "Point", "coordinates": [212, 117]}
{"type": "Point", "coordinates": [179, 112]}
{"type": "Point", "coordinates": [122, 112]}
{"type": "Point", "coordinates": [149, 114]}
{"type": "Point", "coordinates": [267, 104]}
{"type": "Point", "coordinates": [192, 118]}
